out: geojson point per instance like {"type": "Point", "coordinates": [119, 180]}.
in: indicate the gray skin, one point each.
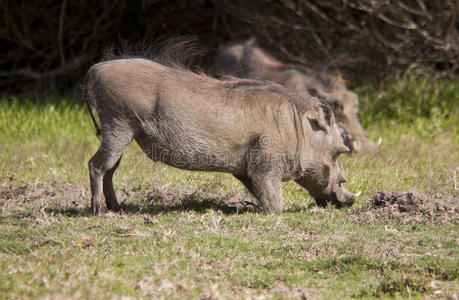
{"type": "Point", "coordinates": [258, 131]}
{"type": "Point", "coordinates": [247, 60]}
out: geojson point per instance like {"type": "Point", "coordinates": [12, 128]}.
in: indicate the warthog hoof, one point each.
{"type": "Point", "coordinates": [245, 206]}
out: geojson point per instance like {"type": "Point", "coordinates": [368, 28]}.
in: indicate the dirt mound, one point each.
{"type": "Point", "coordinates": [410, 207]}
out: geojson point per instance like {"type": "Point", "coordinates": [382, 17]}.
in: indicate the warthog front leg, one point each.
{"type": "Point", "coordinates": [246, 205]}
{"type": "Point", "coordinates": [268, 191]}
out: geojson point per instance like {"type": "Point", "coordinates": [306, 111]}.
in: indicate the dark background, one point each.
{"type": "Point", "coordinates": [51, 43]}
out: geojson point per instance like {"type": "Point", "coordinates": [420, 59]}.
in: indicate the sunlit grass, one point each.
{"type": "Point", "coordinates": [50, 246]}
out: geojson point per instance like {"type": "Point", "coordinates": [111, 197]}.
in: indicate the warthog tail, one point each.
{"type": "Point", "coordinates": [98, 132]}
{"type": "Point", "coordinates": [89, 104]}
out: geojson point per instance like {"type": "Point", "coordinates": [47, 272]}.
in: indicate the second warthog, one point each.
{"type": "Point", "coordinates": [257, 131]}
{"type": "Point", "coordinates": [247, 60]}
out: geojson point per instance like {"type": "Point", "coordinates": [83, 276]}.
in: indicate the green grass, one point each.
{"type": "Point", "coordinates": [177, 239]}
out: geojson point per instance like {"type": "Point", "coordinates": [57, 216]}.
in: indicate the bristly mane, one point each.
{"type": "Point", "coordinates": [179, 52]}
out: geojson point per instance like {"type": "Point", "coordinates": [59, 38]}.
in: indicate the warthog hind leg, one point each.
{"type": "Point", "coordinates": [109, 191]}
{"type": "Point", "coordinates": [102, 166]}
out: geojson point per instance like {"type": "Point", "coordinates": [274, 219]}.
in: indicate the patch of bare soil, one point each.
{"type": "Point", "coordinates": [409, 207]}
{"type": "Point", "coordinates": [17, 196]}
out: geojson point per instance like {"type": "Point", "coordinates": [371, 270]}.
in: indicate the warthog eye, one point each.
{"type": "Point", "coordinates": [345, 135]}
{"type": "Point", "coordinates": [337, 107]}
{"type": "Point", "coordinates": [347, 139]}
{"type": "Point", "coordinates": [313, 92]}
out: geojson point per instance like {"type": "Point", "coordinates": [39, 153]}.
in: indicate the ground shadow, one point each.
{"type": "Point", "coordinates": [187, 202]}
{"type": "Point", "coordinates": [158, 201]}
{"type": "Point", "coordinates": [197, 205]}
{"type": "Point", "coordinates": [70, 211]}
{"type": "Point", "coordinates": [200, 206]}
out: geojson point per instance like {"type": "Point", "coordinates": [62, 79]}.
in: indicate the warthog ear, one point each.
{"type": "Point", "coordinates": [320, 117]}
{"type": "Point", "coordinates": [318, 93]}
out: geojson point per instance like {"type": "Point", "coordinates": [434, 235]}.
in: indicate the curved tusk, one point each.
{"type": "Point", "coordinates": [356, 195]}
{"type": "Point", "coordinates": [379, 141]}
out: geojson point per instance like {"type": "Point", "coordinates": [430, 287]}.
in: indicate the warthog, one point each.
{"type": "Point", "coordinates": [247, 60]}
{"type": "Point", "coordinates": [256, 130]}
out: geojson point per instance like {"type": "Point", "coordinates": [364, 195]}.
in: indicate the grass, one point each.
{"type": "Point", "coordinates": [177, 238]}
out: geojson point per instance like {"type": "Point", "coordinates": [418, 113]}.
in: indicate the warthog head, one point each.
{"type": "Point", "coordinates": [248, 60]}
{"type": "Point", "coordinates": [345, 106]}
{"type": "Point", "coordinates": [322, 174]}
